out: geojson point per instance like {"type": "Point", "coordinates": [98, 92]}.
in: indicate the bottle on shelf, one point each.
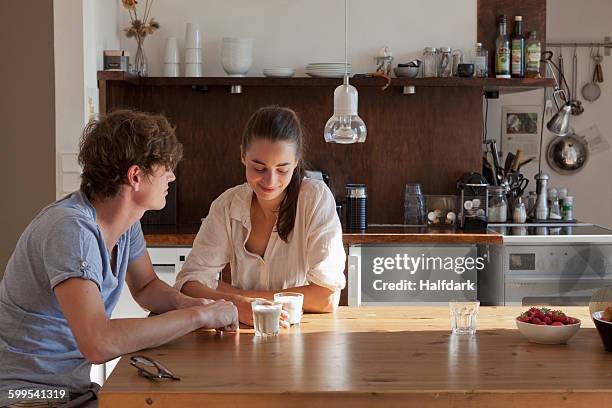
{"type": "Point", "coordinates": [517, 66]}
{"type": "Point", "coordinates": [502, 50]}
{"type": "Point", "coordinates": [533, 54]}
{"type": "Point", "coordinates": [480, 61]}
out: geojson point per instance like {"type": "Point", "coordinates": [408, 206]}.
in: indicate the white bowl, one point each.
{"type": "Point", "coordinates": [193, 55]}
{"type": "Point", "coordinates": [171, 69]}
{"type": "Point", "coordinates": [279, 72]}
{"type": "Point", "coordinates": [544, 334]}
{"type": "Point", "coordinates": [193, 70]}
{"type": "Point", "coordinates": [193, 38]}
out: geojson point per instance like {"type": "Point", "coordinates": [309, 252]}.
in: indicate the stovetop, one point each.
{"type": "Point", "coordinates": [576, 232]}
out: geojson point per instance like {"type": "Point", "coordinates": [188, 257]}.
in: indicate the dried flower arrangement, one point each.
{"type": "Point", "coordinates": [139, 29]}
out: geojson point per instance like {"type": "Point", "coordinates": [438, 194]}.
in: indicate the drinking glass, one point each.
{"type": "Point", "coordinates": [292, 303]}
{"type": "Point", "coordinates": [463, 314]}
{"type": "Point", "coordinates": [266, 317]}
{"type": "Point", "coordinates": [414, 205]}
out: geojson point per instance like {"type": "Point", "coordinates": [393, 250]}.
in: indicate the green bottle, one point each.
{"type": "Point", "coordinates": [502, 50]}
{"type": "Point", "coordinates": [517, 66]}
{"type": "Point", "coordinates": [533, 54]}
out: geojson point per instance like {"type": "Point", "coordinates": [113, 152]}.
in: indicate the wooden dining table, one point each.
{"type": "Point", "coordinates": [374, 356]}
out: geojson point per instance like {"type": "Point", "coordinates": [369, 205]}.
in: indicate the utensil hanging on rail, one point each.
{"type": "Point", "coordinates": [577, 108]}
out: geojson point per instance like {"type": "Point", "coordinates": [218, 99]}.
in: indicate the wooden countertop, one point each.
{"type": "Point", "coordinates": [183, 235]}
{"type": "Point", "coordinates": [361, 357]}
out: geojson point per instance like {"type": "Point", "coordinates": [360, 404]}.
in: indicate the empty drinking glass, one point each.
{"type": "Point", "coordinates": [463, 314]}
{"type": "Point", "coordinates": [414, 205]}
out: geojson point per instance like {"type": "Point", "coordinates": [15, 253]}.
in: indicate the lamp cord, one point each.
{"type": "Point", "coordinates": [541, 133]}
{"type": "Point", "coordinates": [346, 40]}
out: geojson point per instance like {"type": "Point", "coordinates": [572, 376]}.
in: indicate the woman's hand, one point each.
{"type": "Point", "coordinates": [245, 312]}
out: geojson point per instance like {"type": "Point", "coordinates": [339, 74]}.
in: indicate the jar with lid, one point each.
{"type": "Point", "coordinates": [481, 61]}
{"type": "Point", "coordinates": [445, 65]}
{"type": "Point", "coordinates": [553, 202]}
{"type": "Point", "coordinates": [498, 204]}
{"type": "Point", "coordinates": [430, 62]}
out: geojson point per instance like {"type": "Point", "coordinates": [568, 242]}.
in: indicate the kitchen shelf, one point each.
{"type": "Point", "coordinates": [488, 84]}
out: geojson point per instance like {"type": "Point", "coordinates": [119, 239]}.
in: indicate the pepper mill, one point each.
{"type": "Point", "coordinates": [541, 207]}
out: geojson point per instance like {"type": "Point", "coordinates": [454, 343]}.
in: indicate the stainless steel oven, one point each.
{"type": "Point", "coordinates": [534, 267]}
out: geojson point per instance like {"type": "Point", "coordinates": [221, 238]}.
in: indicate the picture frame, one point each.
{"type": "Point", "coordinates": [521, 128]}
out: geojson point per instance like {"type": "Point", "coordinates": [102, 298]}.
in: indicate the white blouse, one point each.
{"type": "Point", "coordinates": [314, 253]}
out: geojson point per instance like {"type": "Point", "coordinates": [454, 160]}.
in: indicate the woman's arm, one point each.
{"type": "Point", "coordinates": [224, 291]}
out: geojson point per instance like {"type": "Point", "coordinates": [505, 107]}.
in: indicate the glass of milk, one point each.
{"type": "Point", "coordinates": [266, 317]}
{"type": "Point", "coordinates": [292, 303]}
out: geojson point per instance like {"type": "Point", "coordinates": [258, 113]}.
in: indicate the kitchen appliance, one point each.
{"type": "Point", "coordinates": [116, 60]}
{"type": "Point", "coordinates": [473, 202]}
{"type": "Point", "coordinates": [356, 207]}
{"type": "Point", "coordinates": [546, 264]}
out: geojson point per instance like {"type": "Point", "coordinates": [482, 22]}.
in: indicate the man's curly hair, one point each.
{"type": "Point", "coordinates": [112, 144]}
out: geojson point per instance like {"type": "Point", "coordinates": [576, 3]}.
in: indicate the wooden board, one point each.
{"type": "Point", "coordinates": [362, 357]}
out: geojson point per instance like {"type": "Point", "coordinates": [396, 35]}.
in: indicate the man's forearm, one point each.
{"type": "Point", "coordinates": [116, 337]}
{"type": "Point", "coordinates": [158, 297]}
{"type": "Point", "coordinates": [199, 290]}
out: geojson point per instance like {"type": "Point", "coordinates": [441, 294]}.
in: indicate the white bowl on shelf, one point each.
{"type": "Point", "coordinates": [236, 55]}
{"type": "Point", "coordinates": [279, 72]}
{"type": "Point", "coordinates": [193, 70]}
{"type": "Point", "coordinates": [171, 69]}
{"type": "Point", "coordinates": [545, 334]}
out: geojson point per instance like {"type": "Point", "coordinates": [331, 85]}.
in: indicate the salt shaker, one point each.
{"type": "Point", "coordinates": [520, 213]}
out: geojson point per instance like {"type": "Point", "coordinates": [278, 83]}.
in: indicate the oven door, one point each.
{"type": "Point", "coordinates": [561, 274]}
{"type": "Point", "coordinates": [546, 290]}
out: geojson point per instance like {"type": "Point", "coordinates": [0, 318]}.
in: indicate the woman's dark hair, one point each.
{"type": "Point", "coordinates": [278, 124]}
{"type": "Point", "coordinates": [123, 138]}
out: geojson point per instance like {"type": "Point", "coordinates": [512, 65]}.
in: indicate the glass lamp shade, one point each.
{"type": "Point", "coordinates": [345, 126]}
{"type": "Point", "coordinates": [559, 124]}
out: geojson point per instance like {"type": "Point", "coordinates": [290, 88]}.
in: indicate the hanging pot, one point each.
{"type": "Point", "coordinates": [567, 155]}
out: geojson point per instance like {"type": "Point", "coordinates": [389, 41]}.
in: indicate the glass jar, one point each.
{"type": "Point", "coordinates": [498, 204]}
{"type": "Point", "coordinates": [430, 62]}
{"type": "Point", "coordinates": [445, 65]}
{"type": "Point", "coordinates": [481, 61]}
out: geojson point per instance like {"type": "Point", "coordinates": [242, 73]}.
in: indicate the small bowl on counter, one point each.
{"type": "Point", "coordinates": [604, 328]}
{"type": "Point", "coordinates": [406, 72]}
{"type": "Point", "coordinates": [546, 326]}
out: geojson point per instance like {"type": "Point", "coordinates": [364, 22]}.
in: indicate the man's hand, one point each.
{"type": "Point", "coordinates": [220, 314]}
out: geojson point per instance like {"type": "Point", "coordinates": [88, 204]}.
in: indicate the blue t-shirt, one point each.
{"type": "Point", "coordinates": [37, 347]}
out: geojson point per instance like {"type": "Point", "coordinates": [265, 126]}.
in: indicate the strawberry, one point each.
{"type": "Point", "coordinates": [547, 320]}
{"type": "Point", "coordinates": [536, 320]}
{"type": "Point", "coordinates": [557, 324]}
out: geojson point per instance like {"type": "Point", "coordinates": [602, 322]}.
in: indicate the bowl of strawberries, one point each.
{"type": "Point", "coordinates": [603, 322]}
{"type": "Point", "coordinates": [547, 326]}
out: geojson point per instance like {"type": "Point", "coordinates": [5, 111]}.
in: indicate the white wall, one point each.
{"type": "Point", "coordinates": [569, 21]}
{"type": "Point", "coordinates": [294, 33]}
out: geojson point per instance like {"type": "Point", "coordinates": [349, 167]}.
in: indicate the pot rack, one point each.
{"type": "Point", "coordinates": [606, 45]}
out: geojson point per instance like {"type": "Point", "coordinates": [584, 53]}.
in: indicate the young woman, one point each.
{"type": "Point", "coordinates": [278, 231]}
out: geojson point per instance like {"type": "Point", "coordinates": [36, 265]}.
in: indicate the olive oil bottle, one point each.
{"type": "Point", "coordinates": [517, 66]}
{"type": "Point", "coordinates": [502, 50]}
{"type": "Point", "coordinates": [533, 54]}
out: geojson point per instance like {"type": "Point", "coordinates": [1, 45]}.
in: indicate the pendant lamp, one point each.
{"type": "Point", "coordinates": [345, 126]}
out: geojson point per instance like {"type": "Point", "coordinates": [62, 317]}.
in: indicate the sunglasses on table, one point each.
{"type": "Point", "coordinates": [144, 365]}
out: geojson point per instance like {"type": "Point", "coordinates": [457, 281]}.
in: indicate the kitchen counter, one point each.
{"type": "Point", "coordinates": [375, 356]}
{"type": "Point", "coordinates": [384, 234]}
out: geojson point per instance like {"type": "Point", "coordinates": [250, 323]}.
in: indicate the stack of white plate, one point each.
{"type": "Point", "coordinates": [327, 69]}
{"type": "Point", "coordinates": [279, 72]}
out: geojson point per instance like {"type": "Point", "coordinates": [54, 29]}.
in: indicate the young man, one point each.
{"type": "Point", "coordinates": [68, 268]}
